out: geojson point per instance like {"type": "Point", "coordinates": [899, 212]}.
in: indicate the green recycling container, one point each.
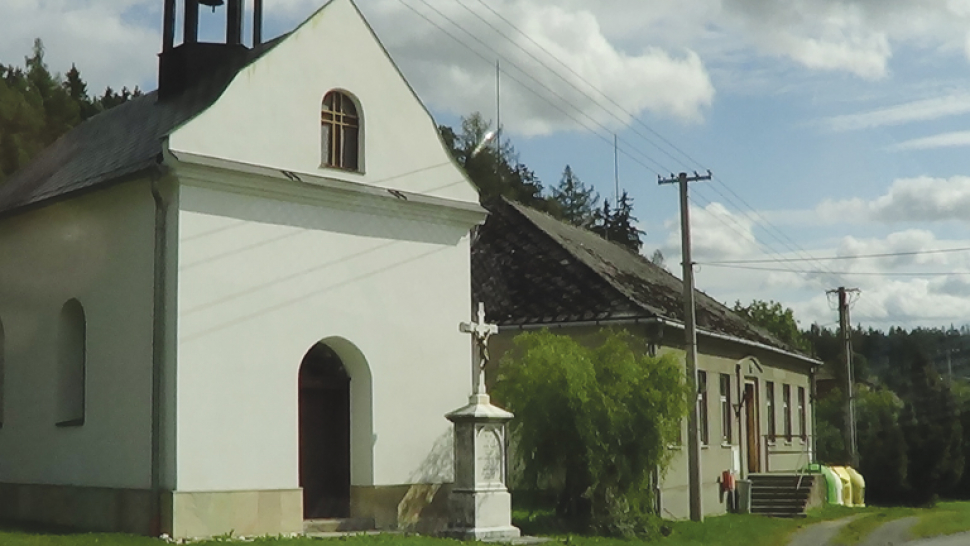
{"type": "Point", "coordinates": [833, 484]}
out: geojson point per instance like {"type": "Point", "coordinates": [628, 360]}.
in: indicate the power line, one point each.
{"type": "Point", "coordinates": [601, 93]}
{"type": "Point", "coordinates": [528, 88]}
{"type": "Point", "coordinates": [858, 256]}
{"type": "Point", "coordinates": [796, 248]}
{"type": "Point", "coordinates": [547, 100]}
{"type": "Point", "coordinates": [764, 221]}
{"type": "Point", "coordinates": [624, 122]}
{"type": "Point", "coordinates": [846, 273]}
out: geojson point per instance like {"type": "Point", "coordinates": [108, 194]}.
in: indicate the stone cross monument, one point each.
{"type": "Point", "coordinates": [480, 332]}
{"type": "Point", "coordinates": [480, 503]}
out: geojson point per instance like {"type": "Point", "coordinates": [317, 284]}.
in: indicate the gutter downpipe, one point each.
{"type": "Point", "coordinates": [158, 345]}
{"type": "Point", "coordinates": [742, 434]}
{"type": "Point", "coordinates": [813, 395]}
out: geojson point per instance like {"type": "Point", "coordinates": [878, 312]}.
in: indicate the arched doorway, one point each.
{"type": "Point", "coordinates": [324, 434]}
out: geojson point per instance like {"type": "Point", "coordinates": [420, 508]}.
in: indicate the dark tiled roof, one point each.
{"type": "Point", "coordinates": [529, 268]}
{"type": "Point", "coordinates": [115, 144]}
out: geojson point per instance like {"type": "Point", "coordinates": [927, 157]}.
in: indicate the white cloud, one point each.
{"type": "Point", "coordinates": [926, 289]}
{"type": "Point", "coordinates": [921, 110]}
{"type": "Point", "coordinates": [905, 244]}
{"type": "Point", "coordinates": [108, 41]}
{"type": "Point", "coordinates": [453, 78]}
{"type": "Point", "coordinates": [914, 289]}
{"type": "Point", "coordinates": [716, 234]}
{"type": "Point", "coordinates": [922, 199]}
{"type": "Point", "coordinates": [854, 36]}
{"type": "Point", "coordinates": [824, 34]}
{"type": "Point", "coordinates": [114, 42]}
{"type": "Point", "coordinates": [944, 140]}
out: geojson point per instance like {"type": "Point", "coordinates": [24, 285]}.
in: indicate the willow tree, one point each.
{"type": "Point", "coordinates": [593, 424]}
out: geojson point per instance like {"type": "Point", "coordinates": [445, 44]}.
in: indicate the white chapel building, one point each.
{"type": "Point", "coordinates": [232, 304]}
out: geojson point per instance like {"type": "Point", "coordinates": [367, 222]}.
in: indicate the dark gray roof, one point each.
{"type": "Point", "coordinates": [116, 144]}
{"type": "Point", "coordinates": [530, 269]}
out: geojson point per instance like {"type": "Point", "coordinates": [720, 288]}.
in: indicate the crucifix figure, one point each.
{"type": "Point", "coordinates": [480, 331]}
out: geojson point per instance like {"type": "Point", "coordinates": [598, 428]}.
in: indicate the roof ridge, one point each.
{"type": "Point", "coordinates": [518, 208]}
{"type": "Point", "coordinates": [584, 259]}
{"type": "Point", "coordinates": [710, 305]}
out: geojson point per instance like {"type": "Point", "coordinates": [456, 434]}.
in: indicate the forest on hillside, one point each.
{"type": "Point", "coordinates": [912, 404]}
{"type": "Point", "coordinates": [38, 106]}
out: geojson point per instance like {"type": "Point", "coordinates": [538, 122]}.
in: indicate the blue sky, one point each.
{"type": "Point", "coordinates": [833, 127]}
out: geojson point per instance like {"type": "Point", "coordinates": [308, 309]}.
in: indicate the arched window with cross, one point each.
{"type": "Point", "coordinates": [340, 131]}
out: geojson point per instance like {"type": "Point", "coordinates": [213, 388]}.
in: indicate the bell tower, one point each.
{"type": "Point", "coordinates": [180, 66]}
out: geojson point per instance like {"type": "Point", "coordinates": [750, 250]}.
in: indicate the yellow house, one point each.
{"type": "Point", "coordinates": [533, 272]}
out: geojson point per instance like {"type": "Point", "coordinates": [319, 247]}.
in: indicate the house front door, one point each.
{"type": "Point", "coordinates": [324, 435]}
{"type": "Point", "coordinates": [751, 426]}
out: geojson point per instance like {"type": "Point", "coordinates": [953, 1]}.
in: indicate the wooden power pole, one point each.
{"type": "Point", "coordinates": [848, 404]}
{"type": "Point", "coordinates": [690, 335]}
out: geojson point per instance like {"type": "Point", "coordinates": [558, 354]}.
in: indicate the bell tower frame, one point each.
{"type": "Point", "coordinates": [183, 64]}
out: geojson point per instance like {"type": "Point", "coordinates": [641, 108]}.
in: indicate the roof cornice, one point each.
{"type": "Point", "coordinates": [259, 181]}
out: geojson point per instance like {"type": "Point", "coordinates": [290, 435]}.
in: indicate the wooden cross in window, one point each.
{"type": "Point", "coordinates": [480, 331]}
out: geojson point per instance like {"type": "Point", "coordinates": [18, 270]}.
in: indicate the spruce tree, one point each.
{"type": "Point", "coordinates": [622, 226]}
{"type": "Point", "coordinates": [931, 428]}
{"type": "Point", "coordinates": [619, 226]}
{"type": "Point", "coordinates": [37, 107]}
{"type": "Point", "coordinates": [575, 202]}
{"type": "Point", "coordinates": [882, 446]}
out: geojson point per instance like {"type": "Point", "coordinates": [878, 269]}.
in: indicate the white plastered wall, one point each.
{"type": "Point", "coordinates": [260, 281]}
{"type": "Point", "coordinates": [270, 114]}
{"type": "Point", "coordinates": [97, 248]}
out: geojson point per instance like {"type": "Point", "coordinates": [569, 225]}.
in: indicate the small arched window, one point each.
{"type": "Point", "coordinates": [340, 132]}
{"type": "Point", "coordinates": [71, 360]}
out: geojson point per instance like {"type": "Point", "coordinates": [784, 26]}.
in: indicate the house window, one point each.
{"type": "Point", "coordinates": [786, 408]}
{"type": "Point", "coordinates": [702, 402]}
{"type": "Point", "coordinates": [71, 357]}
{"type": "Point", "coordinates": [802, 418]}
{"type": "Point", "coordinates": [770, 403]}
{"type": "Point", "coordinates": [725, 408]}
{"type": "Point", "coordinates": [340, 132]}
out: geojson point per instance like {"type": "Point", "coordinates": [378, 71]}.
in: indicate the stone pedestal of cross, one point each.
{"type": "Point", "coordinates": [480, 504]}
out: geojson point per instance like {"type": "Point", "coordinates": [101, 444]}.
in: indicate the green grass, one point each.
{"type": "Point", "coordinates": [533, 518]}
{"type": "Point", "coordinates": [18, 536]}
{"type": "Point", "coordinates": [946, 518]}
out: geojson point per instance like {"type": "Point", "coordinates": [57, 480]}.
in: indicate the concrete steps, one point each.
{"type": "Point", "coordinates": [780, 495]}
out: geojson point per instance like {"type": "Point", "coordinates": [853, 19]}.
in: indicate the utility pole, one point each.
{"type": "Point", "coordinates": [848, 405]}
{"type": "Point", "coordinates": [498, 110]}
{"type": "Point", "coordinates": [616, 172]}
{"type": "Point", "coordinates": [690, 334]}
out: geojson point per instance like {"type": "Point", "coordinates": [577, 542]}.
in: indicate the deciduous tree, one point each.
{"type": "Point", "coordinates": [777, 320]}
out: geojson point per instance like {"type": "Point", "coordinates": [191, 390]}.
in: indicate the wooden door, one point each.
{"type": "Point", "coordinates": [751, 427]}
{"type": "Point", "coordinates": [324, 435]}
